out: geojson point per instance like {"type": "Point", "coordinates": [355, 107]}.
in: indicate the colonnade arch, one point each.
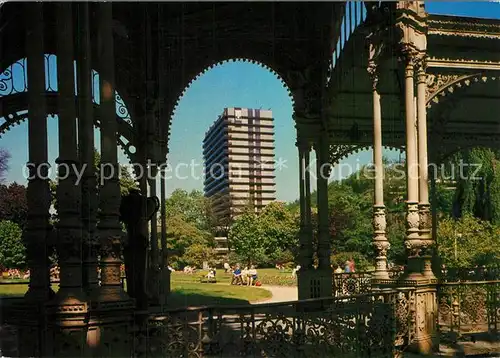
{"type": "Point", "coordinates": [14, 100]}
{"type": "Point", "coordinates": [243, 83]}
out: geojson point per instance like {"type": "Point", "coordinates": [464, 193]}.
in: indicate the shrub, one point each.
{"type": "Point", "coordinates": [12, 250]}
{"type": "Point", "coordinates": [196, 254]}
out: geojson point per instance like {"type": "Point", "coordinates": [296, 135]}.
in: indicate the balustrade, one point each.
{"type": "Point", "coordinates": [469, 309]}
{"type": "Point", "coordinates": [374, 324]}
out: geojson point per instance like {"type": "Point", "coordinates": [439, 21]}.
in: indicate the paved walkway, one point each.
{"type": "Point", "coordinates": [280, 294]}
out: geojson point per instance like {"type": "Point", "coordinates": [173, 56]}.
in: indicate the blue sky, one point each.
{"type": "Point", "coordinates": [233, 84]}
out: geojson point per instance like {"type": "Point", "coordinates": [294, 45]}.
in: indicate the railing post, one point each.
{"type": "Point", "coordinates": [493, 307]}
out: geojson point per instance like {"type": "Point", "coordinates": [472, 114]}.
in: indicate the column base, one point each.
{"type": "Point", "coordinates": [308, 286]}
{"type": "Point", "coordinates": [315, 283]}
{"type": "Point", "coordinates": [68, 330]}
{"type": "Point", "coordinates": [424, 308]}
{"type": "Point", "coordinates": [380, 275]}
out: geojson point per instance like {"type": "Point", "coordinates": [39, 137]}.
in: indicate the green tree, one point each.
{"type": "Point", "coordinates": [181, 234]}
{"type": "Point", "coordinates": [196, 254]}
{"type": "Point", "coordinates": [280, 228]}
{"type": "Point", "coordinates": [350, 219]}
{"type": "Point", "coordinates": [127, 182]}
{"type": "Point", "coordinates": [4, 163]}
{"type": "Point", "coordinates": [194, 207]}
{"type": "Point", "coordinates": [13, 203]}
{"type": "Point", "coordinates": [247, 239]}
{"type": "Point", "coordinates": [12, 250]}
{"type": "Point", "coordinates": [478, 184]}
{"type": "Point", "coordinates": [267, 237]}
{"type": "Point", "coordinates": [468, 241]}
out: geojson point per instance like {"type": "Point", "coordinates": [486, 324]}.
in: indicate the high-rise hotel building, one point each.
{"type": "Point", "coordinates": [238, 152]}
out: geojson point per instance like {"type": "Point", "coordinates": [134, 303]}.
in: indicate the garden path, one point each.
{"type": "Point", "coordinates": [280, 294]}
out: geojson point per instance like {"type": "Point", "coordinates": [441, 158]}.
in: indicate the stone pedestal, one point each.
{"type": "Point", "coordinates": [308, 284]}
{"type": "Point", "coordinates": [73, 329]}
{"type": "Point", "coordinates": [325, 279]}
{"type": "Point", "coordinates": [425, 331]}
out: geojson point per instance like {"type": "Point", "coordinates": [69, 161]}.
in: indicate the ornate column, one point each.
{"type": "Point", "coordinates": [69, 227]}
{"type": "Point", "coordinates": [110, 228]}
{"type": "Point", "coordinates": [154, 277]}
{"type": "Point", "coordinates": [38, 230]}
{"type": "Point", "coordinates": [412, 242]}
{"type": "Point", "coordinates": [324, 248]}
{"type": "Point", "coordinates": [89, 198]}
{"type": "Point", "coordinates": [306, 250]}
{"type": "Point", "coordinates": [306, 271]}
{"type": "Point", "coordinates": [425, 222]}
{"type": "Point", "coordinates": [165, 280]}
{"type": "Point", "coordinates": [411, 25]}
{"type": "Point", "coordinates": [380, 242]}
{"type": "Point", "coordinates": [436, 260]}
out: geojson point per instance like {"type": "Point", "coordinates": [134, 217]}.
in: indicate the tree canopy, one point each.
{"type": "Point", "coordinates": [188, 224]}
{"type": "Point", "coordinates": [266, 237]}
{"type": "Point", "coordinates": [4, 164]}
{"type": "Point", "coordinates": [478, 184]}
{"type": "Point", "coordinates": [13, 204]}
{"type": "Point", "coordinates": [12, 250]}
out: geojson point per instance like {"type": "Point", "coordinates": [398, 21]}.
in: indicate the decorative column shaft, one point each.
{"type": "Point", "coordinates": [69, 227]}
{"type": "Point", "coordinates": [323, 173]}
{"type": "Point", "coordinates": [306, 275]}
{"type": "Point", "coordinates": [324, 274]}
{"type": "Point", "coordinates": [307, 204]}
{"type": "Point", "coordinates": [380, 242]}
{"type": "Point", "coordinates": [86, 151]}
{"type": "Point", "coordinates": [425, 222]}
{"type": "Point", "coordinates": [154, 220]}
{"type": "Point", "coordinates": [38, 230]}
{"type": "Point", "coordinates": [436, 260]}
{"type": "Point", "coordinates": [165, 286]}
{"type": "Point", "coordinates": [412, 241]}
{"type": "Point", "coordinates": [153, 276]}
{"type": "Point", "coordinates": [110, 228]}
{"type": "Point", "coordinates": [305, 235]}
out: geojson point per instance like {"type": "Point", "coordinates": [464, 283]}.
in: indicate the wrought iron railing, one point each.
{"type": "Point", "coordinates": [369, 325]}
{"type": "Point", "coordinates": [361, 282]}
{"type": "Point", "coordinates": [469, 308]}
{"type": "Point", "coordinates": [486, 273]}
{"type": "Point", "coordinates": [344, 284]}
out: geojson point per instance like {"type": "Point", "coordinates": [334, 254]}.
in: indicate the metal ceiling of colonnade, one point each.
{"type": "Point", "coordinates": [463, 59]}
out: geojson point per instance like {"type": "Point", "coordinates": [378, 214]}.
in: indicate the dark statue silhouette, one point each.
{"type": "Point", "coordinates": [135, 212]}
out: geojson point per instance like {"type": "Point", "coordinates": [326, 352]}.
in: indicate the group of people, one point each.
{"type": "Point", "coordinates": [17, 274]}
{"type": "Point", "coordinates": [189, 269]}
{"type": "Point", "coordinates": [245, 277]}
{"type": "Point", "coordinates": [349, 267]}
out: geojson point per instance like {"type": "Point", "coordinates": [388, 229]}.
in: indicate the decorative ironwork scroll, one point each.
{"type": "Point", "coordinates": [14, 80]}
{"type": "Point", "coordinates": [357, 326]}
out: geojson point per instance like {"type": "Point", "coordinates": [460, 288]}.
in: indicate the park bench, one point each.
{"type": "Point", "coordinates": [205, 279]}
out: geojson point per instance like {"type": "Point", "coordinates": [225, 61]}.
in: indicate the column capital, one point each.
{"type": "Point", "coordinates": [409, 55]}
{"type": "Point", "coordinates": [421, 67]}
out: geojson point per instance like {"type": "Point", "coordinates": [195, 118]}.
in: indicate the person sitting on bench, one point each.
{"type": "Point", "coordinates": [237, 280]}
{"type": "Point", "coordinates": [211, 274]}
{"type": "Point", "coordinates": [251, 276]}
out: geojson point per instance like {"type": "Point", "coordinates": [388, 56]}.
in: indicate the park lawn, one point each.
{"type": "Point", "coordinates": [184, 293]}
{"type": "Point", "coordinates": [207, 294]}
{"type": "Point", "coordinates": [268, 276]}
{"type": "Point", "coordinates": [188, 291]}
